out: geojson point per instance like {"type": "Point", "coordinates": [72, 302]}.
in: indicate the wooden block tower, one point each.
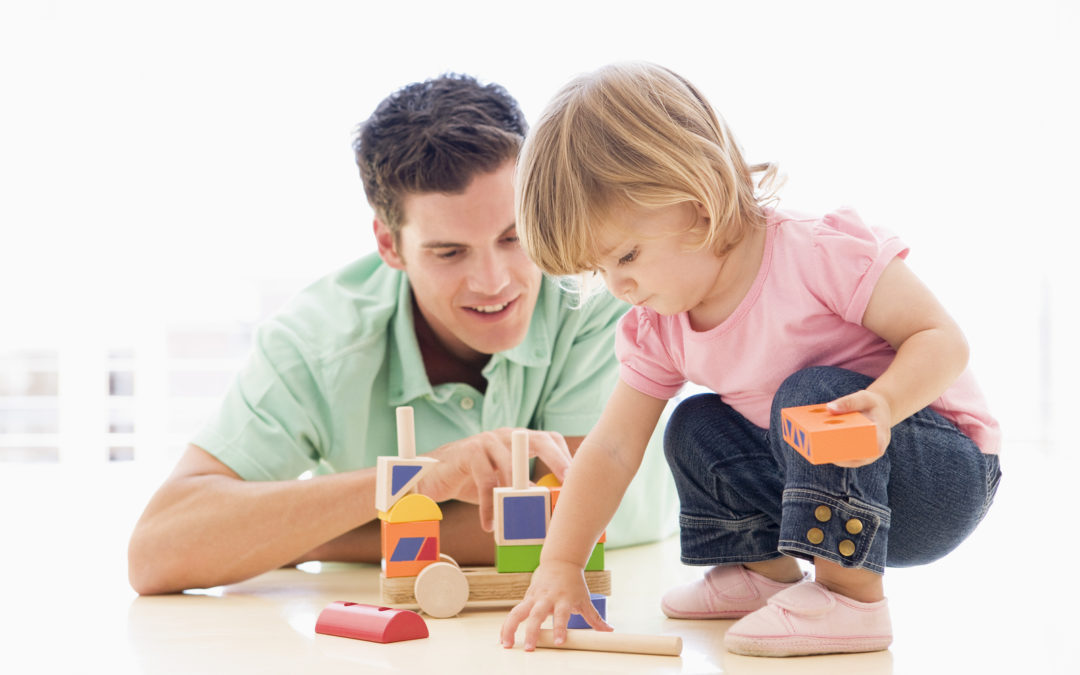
{"type": "Point", "coordinates": [523, 515]}
{"type": "Point", "coordinates": [410, 522]}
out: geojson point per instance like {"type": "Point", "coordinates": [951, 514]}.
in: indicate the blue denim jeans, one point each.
{"type": "Point", "coordinates": [746, 495]}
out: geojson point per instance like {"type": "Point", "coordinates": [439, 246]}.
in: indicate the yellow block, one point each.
{"type": "Point", "coordinates": [549, 481]}
{"type": "Point", "coordinates": [412, 508]}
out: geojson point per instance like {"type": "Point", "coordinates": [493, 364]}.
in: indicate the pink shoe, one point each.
{"type": "Point", "coordinates": [811, 619]}
{"type": "Point", "coordinates": [725, 592]}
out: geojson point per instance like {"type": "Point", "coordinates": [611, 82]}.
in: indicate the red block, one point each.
{"type": "Point", "coordinates": [370, 622]}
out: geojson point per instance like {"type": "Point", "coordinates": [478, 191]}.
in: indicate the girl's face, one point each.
{"type": "Point", "coordinates": [650, 257]}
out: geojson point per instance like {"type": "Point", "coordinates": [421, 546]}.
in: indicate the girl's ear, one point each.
{"type": "Point", "coordinates": [702, 212]}
{"type": "Point", "coordinates": [387, 244]}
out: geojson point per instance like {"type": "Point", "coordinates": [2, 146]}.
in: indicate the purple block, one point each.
{"type": "Point", "coordinates": [525, 517]}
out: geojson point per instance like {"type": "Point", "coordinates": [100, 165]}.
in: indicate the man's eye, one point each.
{"type": "Point", "coordinates": [448, 254]}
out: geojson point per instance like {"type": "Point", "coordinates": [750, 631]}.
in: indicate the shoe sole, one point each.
{"type": "Point", "coordinates": [792, 645]}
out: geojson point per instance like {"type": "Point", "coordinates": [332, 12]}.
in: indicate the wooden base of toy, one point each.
{"type": "Point", "coordinates": [485, 585]}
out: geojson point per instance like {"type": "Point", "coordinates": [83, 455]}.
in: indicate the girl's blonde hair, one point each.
{"type": "Point", "coordinates": [629, 134]}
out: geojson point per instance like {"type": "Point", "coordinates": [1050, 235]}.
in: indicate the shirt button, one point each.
{"type": "Point", "coordinates": [467, 403]}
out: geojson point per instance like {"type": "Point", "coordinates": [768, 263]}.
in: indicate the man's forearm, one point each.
{"type": "Point", "coordinates": [207, 530]}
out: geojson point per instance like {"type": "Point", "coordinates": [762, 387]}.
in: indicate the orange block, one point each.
{"type": "Point", "coordinates": [409, 547]}
{"type": "Point", "coordinates": [822, 437]}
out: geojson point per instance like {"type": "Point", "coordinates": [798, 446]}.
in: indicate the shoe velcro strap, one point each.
{"type": "Point", "coordinates": [805, 599]}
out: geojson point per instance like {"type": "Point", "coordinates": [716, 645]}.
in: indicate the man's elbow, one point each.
{"type": "Point", "coordinates": [148, 574]}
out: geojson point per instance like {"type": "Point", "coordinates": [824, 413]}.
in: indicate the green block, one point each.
{"type": "Point", "coordinates": [596, 560]}
{"type": "Point", "coordinates": [524, 558]}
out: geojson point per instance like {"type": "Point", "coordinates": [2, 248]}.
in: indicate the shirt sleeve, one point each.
{"type": "Point", "coordinates": [269, 426]}
{"type": "Point", "coordinates": [850, 258]}
{"type": "Point", "coordinates": [644, 362]}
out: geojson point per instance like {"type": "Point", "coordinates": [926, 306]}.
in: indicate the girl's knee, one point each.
{"type": "Point", "coordinates": [686, 422]}
{"type": "Point", "coordinates": [818, 384]}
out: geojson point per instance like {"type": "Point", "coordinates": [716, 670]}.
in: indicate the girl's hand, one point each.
{"type": "Point", "coordinates": [557, 589]}
{"type": "Point", "coordinates": [874, 406]}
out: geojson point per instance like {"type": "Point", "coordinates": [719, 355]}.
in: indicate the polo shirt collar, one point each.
{"type": "Point", "coordinates": [408, 378]}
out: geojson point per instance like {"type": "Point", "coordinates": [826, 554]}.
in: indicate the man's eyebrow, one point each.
{"type": "Point", "coordinates": [453, 244]}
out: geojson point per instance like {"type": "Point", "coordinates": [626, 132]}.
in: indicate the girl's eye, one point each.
{"type": "Point", "coordinates": [629, 257]}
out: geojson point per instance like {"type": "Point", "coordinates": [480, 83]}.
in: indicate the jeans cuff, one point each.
{"type": "Point", "coordinates": [718, 541]}
{"type": "Point", "coordinates": [843, 530]}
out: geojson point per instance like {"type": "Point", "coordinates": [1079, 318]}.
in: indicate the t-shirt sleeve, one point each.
{"type": "Point", "coordinates": [584, 381]}
{"type": "Point", "coordinates": [850, 259]}
{"type": "Point", "coordinates": [269, 426]}
{"type": "Point", "coordinates": [644, 362]}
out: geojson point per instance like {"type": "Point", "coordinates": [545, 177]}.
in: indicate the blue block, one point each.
{"type": "Point", "coordinates": [525, 517]}
{"type": "Point", "coordinates": [599, 602]}
{"type": "Point", "coordinates": [407, 548]}
{"type": "Point", "coordinates": [400, 475]}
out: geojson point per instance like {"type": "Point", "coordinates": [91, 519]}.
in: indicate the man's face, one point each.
{"type": "Point", "coordinates": [472, 281]}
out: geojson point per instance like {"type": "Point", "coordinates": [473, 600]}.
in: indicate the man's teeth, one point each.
{"type": "Point", "coordinates": [491, 309]}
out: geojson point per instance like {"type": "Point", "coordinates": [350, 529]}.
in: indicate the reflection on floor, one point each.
{"type": "Point", "coordinates": [993, 606]}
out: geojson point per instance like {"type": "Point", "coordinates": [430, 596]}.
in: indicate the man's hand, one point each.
{"type": "Point", "coordinates": [557, 589]}
{"type": "Point", "coordinates": [469, 469]}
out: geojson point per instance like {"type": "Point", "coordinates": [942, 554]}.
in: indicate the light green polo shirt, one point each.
{"type": "Point", "coordinates": [319, 390]}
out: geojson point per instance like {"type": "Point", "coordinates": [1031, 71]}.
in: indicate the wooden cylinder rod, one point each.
{"type": "Point", "coordinates": [406, 434]}
{"type": "Point", "coordinates": [599, 641]}
{"type": "Point", "coordinates": [519, 458]}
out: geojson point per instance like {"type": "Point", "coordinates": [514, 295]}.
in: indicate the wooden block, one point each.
{"type": "Point", "coordinates": [517, 558]}
{"type": "Point", "coordinates": [599, 602]}
{"type": "Point", "coordinates": [522, 516]}
{"type": "Point", "coordinates": [370, 622]}
{"type": "Point", "coordinates": [409, 547]}
{"type": "Point", "coordinates": [600, 641]}
{"type": "Point", "coordinates": [395, 478]}
{"type": "Point", "coordinates": [486, 585]}
{"type": "Point", "coordinates": [411, 509]}
{"type": "Point", "coordinates": [822, 437]}
{"type": "Point", "coordinates": [549, 480]}
{"type": "Point", "coordinates": [596, 560]}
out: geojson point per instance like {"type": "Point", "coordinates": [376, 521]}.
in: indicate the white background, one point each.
{"type": "Point", "coordinates": [163, 163]}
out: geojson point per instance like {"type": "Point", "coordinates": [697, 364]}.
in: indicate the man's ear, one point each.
{"type": "Point", "coordinates": [387, 246]}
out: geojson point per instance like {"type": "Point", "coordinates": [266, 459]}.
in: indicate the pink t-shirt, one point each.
{"type": "Point", "coordinates": [804, 309]}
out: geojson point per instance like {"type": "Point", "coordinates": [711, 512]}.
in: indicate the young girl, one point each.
{"type": "Point", "coordinates": [631, 174]}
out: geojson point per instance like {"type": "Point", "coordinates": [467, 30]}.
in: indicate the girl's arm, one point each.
{"type": "Point", "coordinates": [931, 352]}
{"type": "Point", "coordinates": [599, 475]}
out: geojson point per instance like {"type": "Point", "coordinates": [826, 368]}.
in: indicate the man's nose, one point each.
{"type": "Point", "coordinates": [490, 273]}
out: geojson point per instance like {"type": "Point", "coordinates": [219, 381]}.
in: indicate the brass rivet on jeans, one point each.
{"type": "Point", "coordinates": [846, 548]}
{"type": "Point", "coordinates": [815, 536]}
{"type": "Point", "coordinates": [823, 513]}
{"type": "Point", "coordinates": [853, 526]}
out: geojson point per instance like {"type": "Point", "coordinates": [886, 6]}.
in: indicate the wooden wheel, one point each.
{"type": "Point", "coordinates": [441, 590]}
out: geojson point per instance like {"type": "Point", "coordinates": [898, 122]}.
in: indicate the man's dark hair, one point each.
{"type": "Point", "coordinates": [435, 136]}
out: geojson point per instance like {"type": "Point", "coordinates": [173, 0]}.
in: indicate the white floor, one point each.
{"type": "Point", "coordinates": [1002, 603]}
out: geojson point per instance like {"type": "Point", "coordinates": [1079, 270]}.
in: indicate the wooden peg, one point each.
{"type": "Point", "coordinates": [600, 641]}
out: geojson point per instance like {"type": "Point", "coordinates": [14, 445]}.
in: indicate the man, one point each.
{"type": "Point", "coordinates": [450, 317]}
